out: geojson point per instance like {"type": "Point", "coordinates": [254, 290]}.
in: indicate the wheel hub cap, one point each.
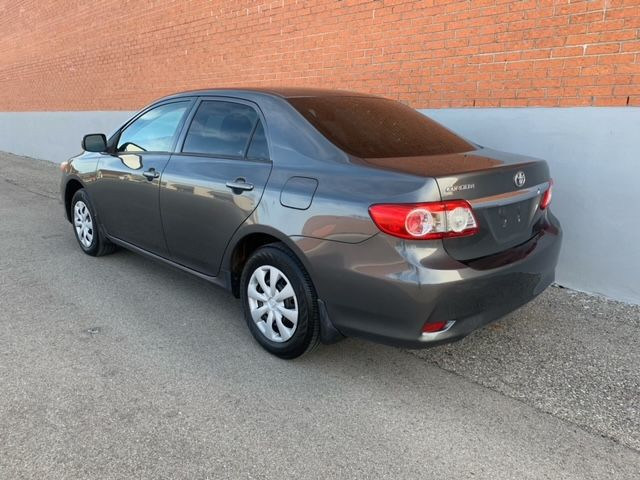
{"type": "Point", "coordinates": [272, 303]}
{"type": "Point", "coordinates": [83, 223]}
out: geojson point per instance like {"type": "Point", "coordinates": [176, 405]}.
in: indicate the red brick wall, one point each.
{"type": "Point", "coordinates": [119, 54]}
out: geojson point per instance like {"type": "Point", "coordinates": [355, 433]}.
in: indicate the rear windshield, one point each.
{"type": "Point", "coordinates": [369, 127]}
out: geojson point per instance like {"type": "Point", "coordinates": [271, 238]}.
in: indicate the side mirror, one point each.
{"type": "Point", "coordinates": [94, 142]}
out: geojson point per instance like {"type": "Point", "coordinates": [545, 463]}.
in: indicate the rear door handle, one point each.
{"type": "Point", "coordinates": [151, 174]}
{"type": "Point", "coordinates": [239, 185]}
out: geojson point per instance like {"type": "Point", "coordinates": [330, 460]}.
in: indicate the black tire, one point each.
{"type": "Point", "coordinates": [99, 244]}
{"type": "Point", "coordinates": [307, 333]}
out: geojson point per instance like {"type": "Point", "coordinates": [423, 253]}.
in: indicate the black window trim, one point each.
{"type": "Point", "coordinates": [249, 140]}
{"type": "Point", "coordinates": [115, 138]}
{"type": "Point", "coordinates": [248, 146]}
{"type": "Point", "coordinates": [220, 98]}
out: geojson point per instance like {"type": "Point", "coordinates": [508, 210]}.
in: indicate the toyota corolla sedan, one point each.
{"type": "Point", "coordinates": [329, 214]}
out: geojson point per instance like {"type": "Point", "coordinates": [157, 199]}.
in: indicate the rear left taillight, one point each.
{"type": "Point", "coordinates": [546, 197]}
{"type": "Point", "coordinates": [425, 221]}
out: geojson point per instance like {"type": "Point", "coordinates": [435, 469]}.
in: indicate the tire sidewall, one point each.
{"type": "Point", "coordinates": [81, 195]}
{"type": "Point", "coordinates": [307, 327]}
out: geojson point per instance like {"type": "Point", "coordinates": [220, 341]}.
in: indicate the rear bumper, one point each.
{"type": "Point", "coordinates": [385, 289]}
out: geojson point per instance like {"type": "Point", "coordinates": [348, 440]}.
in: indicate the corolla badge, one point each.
{"type": "Point", "coordinates": [459, 188]}
{"type": "Point", "coordinates": [519, 179]}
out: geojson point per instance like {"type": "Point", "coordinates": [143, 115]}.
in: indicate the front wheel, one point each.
{"type": "Point", "coordinates": [86, 227]}
{"type": "Point", "coordinates": [280, 302]}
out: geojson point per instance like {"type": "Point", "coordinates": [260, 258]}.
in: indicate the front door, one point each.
{"type": "Point", "coordinates": [213, 184]}
{"type": "Point", "coordinates": [127, 185]}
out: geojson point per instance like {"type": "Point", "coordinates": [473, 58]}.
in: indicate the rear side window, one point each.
{"type": "Point", "coordinates": [153, 131]}
{"type": "Point", "coordinates": [258, 149]}
{"type": "Point", "coordinates": [220, 129]}
{"type": "Point", "coordinates": [369, 127]}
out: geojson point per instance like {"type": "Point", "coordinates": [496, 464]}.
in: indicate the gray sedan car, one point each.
{"type": "Point", "coordinates": [329, 214]}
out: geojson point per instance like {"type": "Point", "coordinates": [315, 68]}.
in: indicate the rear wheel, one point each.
{"type": "Point", "coordinates": [86, 228]}
{"type": "Point", "coordinates": [280, 303]}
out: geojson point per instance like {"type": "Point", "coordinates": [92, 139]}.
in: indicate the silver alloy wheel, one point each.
{"type": "Point", "coordinates": [83, 223]}
{"type": "Point", "coordinates": [272, 303]}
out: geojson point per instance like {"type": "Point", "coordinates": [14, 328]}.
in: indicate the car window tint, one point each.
{"type": "Point", "coordinates": [258, 149]}
{"type": "Point", "coordinates": [371, 127]}
{"type": "Point", "coordinates": [221, 129]}
{"type": "Point", "coordinates": [154, 131]}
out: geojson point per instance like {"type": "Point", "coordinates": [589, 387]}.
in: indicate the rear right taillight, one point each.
{"type": "Point", "coordinates": [425, 221]}
{"type": "Point", "coordinates": [546, 196]}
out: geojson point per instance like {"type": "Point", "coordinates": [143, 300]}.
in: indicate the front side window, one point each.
{"type": "Point", "coordinates": [220, 129]}
{"type": "Point", "coordinates": [153, 131]}
{"type": "Point", "coordinates": [370, 127]}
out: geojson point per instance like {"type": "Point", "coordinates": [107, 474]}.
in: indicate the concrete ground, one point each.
{"type": "Point", "coordinates": [119, 367]}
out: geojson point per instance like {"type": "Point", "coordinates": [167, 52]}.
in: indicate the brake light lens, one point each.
{"type": "Point", "coordinates": [546, 197]}
{"type": "Point", "coordinates": [425, 221]}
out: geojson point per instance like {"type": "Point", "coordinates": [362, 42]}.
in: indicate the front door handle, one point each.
{"type": "Point", "coordinates": [151, 174]}
{"type": "Point", "coordinates": [240, 185]}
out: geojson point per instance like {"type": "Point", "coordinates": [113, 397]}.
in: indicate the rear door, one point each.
{"type": "Point", "coordinates": [127, 186]}
{"type": "Point", "coordinates": [214, 181]}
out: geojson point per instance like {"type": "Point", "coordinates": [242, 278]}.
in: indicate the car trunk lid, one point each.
{"type": "Point", "coordinates": [503, 189]}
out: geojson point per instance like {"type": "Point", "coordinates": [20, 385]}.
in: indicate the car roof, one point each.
{"type": "Point", "coordinates": [283, 92]}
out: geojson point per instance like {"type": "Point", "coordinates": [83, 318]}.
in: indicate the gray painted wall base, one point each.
{"type": "Point", "coordinates": [592, 152]}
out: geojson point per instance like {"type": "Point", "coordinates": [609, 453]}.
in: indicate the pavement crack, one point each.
{"type": "Point", "coordinates": [22, 187]}
{"type": "Point", "coordinates": [566, 421]}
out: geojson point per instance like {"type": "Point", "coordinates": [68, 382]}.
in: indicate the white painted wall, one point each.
{"type": "Point", "coordinates": [592, 152]}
